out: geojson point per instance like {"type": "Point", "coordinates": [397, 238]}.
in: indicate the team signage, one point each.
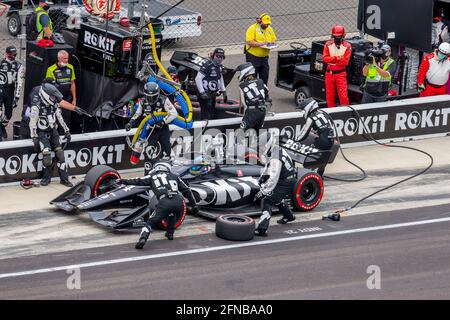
{"type": "Point", "coordinates": [394, 120]}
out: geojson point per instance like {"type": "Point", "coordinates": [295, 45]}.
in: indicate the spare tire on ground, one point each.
{"type": "Point", "coordinates": [235, 227]}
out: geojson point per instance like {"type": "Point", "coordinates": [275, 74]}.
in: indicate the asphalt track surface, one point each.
{"type": "Point", "coordinates": [333, 261]}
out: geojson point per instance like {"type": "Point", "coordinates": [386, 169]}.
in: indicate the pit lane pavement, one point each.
{"type": "Point", "coordinates": [333, 261]}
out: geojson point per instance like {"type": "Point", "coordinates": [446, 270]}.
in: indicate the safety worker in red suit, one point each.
{"type": "Point", "coordinates": [434, 72]}
{"type": "Point", "coordinates": [336, 54]}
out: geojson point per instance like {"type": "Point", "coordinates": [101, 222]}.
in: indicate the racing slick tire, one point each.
{"type": "Point", "coordinates": [301, 94]}
{"type": "Point", "coordinates": [308, 190]}
{"type": "Point", "coordinates": [235, 227]}
{"type": "Point", "coordinates": [98, 178]}
{"type": "Point", "coordinates": [163, 224]}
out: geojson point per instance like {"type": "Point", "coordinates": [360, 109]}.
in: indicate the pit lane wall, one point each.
{"type": "Point", "coordinates": [392, 121]}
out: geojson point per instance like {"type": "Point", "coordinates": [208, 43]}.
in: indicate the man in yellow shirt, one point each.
{"type": "Point", "coordinates": [259, 36]}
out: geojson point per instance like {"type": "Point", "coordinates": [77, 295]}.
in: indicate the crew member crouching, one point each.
{"type": "Point", "coordinates": [171, 206]}
{"type": "Point", "coordinates": [276, 182]}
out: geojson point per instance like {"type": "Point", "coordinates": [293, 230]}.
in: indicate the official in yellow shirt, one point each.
{"type": "Point", "coordinates": [259, 35]}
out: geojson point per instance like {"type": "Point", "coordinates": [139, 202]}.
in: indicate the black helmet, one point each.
{"type": "Point", "coordinates": [308, 106]}
{"type": "Point", "coordinates": [151, 91]}
{"type": "Point", "coordinates": [246, 70]}
{"type": "Point", "coordinates": [50, 94]}
{"type": "Point", "coordinates": [163, 165]}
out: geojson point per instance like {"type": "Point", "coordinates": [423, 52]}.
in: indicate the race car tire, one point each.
{"type": "Point", "coordinates": [163, 224]}
{"type": "Point", "coordinates": [98, 176]}
{"type": "Point", "coordinates": [235, 227]}
{"type": "Point", "coordinates": [308, 190]}
{"type": "Point", "coordinates": [253, 158]}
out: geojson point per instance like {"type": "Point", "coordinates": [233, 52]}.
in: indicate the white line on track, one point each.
{"type": "Point", "coordinates": [219, 248]}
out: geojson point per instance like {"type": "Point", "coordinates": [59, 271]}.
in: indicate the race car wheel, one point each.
{"type": "Point", "coordinates": [100, 178]}
{"type": "Point", "coordinates": [253, 158]}
{"type": "Point", "coordinates": [308, 191]}
{"type": "Point", "coordinates": [235, 227]}
{"type": "Point", "coordinates": [163, 224]}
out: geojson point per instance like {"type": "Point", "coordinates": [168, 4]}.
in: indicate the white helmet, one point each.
{"type": "Point", "coordinates": [163, 165]}
{"type": "Point", "coordinates": [246, 70]}
{"type": "Point", "coordinates": [50, 94]}
{"type": "Point", "coordinates": [444, 48]}
{"type": "Point", "coordinates": [308, 106]}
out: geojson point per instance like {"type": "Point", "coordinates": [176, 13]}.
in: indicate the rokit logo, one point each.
{"type": "Point", "coordinates": [424, 119]}
{"type": "Point", "coordinates": [99, 42]}
{"type": "Point", "coordinates": [29, 163]}
{"type": "Point", "coordinates": [353, 126]}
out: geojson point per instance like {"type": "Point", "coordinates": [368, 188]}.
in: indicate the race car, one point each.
{"type": "Point", "coordinates": [217, 188]}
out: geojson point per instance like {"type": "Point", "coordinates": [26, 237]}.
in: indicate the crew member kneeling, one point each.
{"type": "Point", "coordinates": [434, 72]}
{"type": "Point", "coordinates": [321, 123]}
{"type": "Point", "coordinates": [171, 206]}
{"type": "Point", "coordinates": [44, 131]}
{"type": "Point", "coordinates": [276, 182]}
{"type": "Point", "coordinates": [253, 97]}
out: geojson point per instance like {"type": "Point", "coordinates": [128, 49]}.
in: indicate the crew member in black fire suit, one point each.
{"type": "Point", "coordinates": [152, 103]}
{"type": "Point", "coordinates": [321, 123]}
{"type": "Point", "coordinates": [253, 97]}
{"type": "Point", "coordinates": [44, 131]}
{"type": "Point", "coordinates": [171, 205]}
{"type": "Point", "coordinates": [26, 111]}
{"type": "Point", "coordinates": [11, 79]}
{"type": "Point", "coordinates": [276, 182]}
{"type": "Point", "coordinates": [210, 84]}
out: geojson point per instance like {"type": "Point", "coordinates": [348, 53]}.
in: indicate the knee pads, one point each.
{"type": "Point", "coordinates": [60, 155]}
{"type": "Point", "coordinates": [47, 157]}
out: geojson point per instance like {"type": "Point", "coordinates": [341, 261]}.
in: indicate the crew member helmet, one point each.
{"type": "Point", "coordinates": [163, 165]}
{"type": "Point", "coordinates": [50, 94]}
{"type": "Point", "coordinates": [308, 106]}
{"type": "Point", "coordinates": [151, 92]}
{"type": "Point", "coordinates": [246, 69]}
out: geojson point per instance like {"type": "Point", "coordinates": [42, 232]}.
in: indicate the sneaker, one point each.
{"type": "Point", "coordinates": [285, 220]}
{"type": "Point", "coordinates": [142, 240]}
{"type": "Point", "coordinates": [260, 233]}
{"type": "Point", "coordinates": [66, 183]}
{"type": "Point", "coordinates": [169, 236]}
{"type": "Point", "coordinates": [45, 182]}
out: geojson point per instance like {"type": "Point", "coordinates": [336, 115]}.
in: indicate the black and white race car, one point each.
{"type": "Point", "coordinates": [222, 189]}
